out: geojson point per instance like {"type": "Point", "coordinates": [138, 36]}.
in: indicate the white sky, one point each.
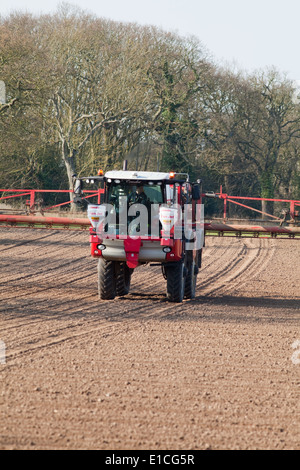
{"type": "Point", "coordinates": [244, 34]}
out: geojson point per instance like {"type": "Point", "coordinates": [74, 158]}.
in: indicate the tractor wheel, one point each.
{"type": "Point", "coordinates": [123, 278]}
{"type": "Point", "coordinates": [175, 282]}
{"type": "Point", "coordinates": [191, 280]}
{"type": "Point", "coordinates": [106, 279]}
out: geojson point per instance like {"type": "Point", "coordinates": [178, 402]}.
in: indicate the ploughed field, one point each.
{"type": "Point", "coordinates": [218, 372]}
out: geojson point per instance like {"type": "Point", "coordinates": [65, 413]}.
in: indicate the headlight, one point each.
{"type": "Point", "coordinates": [167, 249]}
{"type": "Point", "coordinates": [101, 247]}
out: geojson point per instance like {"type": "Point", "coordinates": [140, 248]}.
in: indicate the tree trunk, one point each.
{"type": "Point", "coordinates": [69, 160]}
{"type": "Point", "coordinates": [267, 192]}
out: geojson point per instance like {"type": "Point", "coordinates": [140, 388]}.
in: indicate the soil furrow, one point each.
{"type": "Point", "coordinates": [217, 372]}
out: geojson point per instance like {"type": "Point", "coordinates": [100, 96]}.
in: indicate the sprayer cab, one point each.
{"type": "Point", "coordinates": [146, 217]}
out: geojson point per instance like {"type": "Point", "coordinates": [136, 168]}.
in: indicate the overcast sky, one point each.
{"type": "Point", "coordinates": [244, 34]}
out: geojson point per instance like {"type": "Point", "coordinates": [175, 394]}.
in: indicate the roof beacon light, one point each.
{"type": "Point", "coordinates": [172, 174]}
{"type": "Point", "coordinates": [100, 173]}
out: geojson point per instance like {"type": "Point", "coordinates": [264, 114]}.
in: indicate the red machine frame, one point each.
{"type": "Point", "coordinates": [211, 228]}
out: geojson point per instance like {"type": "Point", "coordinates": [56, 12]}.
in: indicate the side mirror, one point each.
{"type": "Point", "coordinates": [77, 187]}
{"type": "Point", "coordinates": [211, 194]}
{"type": "Point", "coordinates": [2, 92]}
{"type": "Point", "coordinates": [196, 193]}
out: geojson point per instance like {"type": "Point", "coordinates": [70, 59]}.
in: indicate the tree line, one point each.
{"type": "Point", "coordinates": [85, 93]}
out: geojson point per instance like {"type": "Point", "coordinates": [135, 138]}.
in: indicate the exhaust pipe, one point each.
{"type": "Point", "coordinates": [125, 165]}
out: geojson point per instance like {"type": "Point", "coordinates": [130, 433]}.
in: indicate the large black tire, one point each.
{"type": "Point", "coordinates": [191, 280]}
{"type": "Point", "coordinates": [106, 279]}
{"type": "Point", "coordinates": [123, 278]}
{"type": "Point", "coordinates": [175, 282]}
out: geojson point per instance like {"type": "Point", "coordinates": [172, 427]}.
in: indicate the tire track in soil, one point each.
{"type": "Point", "coordinates": [54, 250]}
{"type": "Point", "coordinates": [221, 263]}
{"type": "Point", "coordinates": [13, 244]}
{"type": "Point", "coordinates": [231, 272]}
{"type": "Point", "coordinates": [49, 275]}
{"type": "Point", "coordinates": [238, 397]}
{"type": "Point", "coordinates": [52, 279]}
{"type": "Point", "coordinates": [21, 238]}
{"type": "Point", "coordinates": [146, 299]}
{"type": "Point", "coordinates": [108, 323]}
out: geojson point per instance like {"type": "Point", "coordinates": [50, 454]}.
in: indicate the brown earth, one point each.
{"type": "Point", "coordinates": [218, 372]}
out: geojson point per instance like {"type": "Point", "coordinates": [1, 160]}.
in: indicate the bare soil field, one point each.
{"type": "Point", "coordinates": [218, 372]}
